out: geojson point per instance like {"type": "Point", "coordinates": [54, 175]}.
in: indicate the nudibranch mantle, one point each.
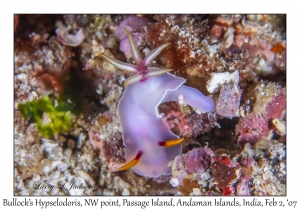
{"type": "Point", "coordinates": [143, 129]}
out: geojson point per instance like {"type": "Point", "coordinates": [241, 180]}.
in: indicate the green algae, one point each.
{"type": "Point", "coordinates": [51, 117]}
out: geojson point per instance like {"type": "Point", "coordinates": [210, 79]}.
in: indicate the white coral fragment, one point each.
{"type": "Point", "coordinates": [175, 182]}
{"type": "Point", "coordinates": [228, 38]}
{"type": "Point", "coordinates": [280, 125]}
{"type": "Point", "coordinates": [219, 79]}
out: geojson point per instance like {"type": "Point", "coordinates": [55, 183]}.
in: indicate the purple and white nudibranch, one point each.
{"type": "Point", "coordinates": [150, 144]}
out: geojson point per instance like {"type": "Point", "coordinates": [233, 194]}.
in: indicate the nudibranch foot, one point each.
{"type": "Point", "coordinates": [131, 163]}
{"type": "Point", "coordinates": [170, 143]}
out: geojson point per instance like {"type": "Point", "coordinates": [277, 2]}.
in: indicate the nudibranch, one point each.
{"type": "Point", "coordinates": [150, 144]}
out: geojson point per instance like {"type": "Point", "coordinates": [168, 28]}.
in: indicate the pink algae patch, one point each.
{"type": "Point", "coordinates": [229, 101]}
{"type": "Point", "coordinates": [196, 161]}
{"type": "Point", "coordinates": [252, 128]}
{"type": "Point", "coordinates": [276, 107]}
{"type": "Point", "coordinates": [242, 187]}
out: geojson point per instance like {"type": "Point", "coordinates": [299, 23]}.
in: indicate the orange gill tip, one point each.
{"type": "Point", "coordinates": [132, 163]}
{"type": "Point", "coordinates": [170, 143]}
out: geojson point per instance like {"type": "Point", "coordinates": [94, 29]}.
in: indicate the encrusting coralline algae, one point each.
{"type": "Point", "coordinates": [231, 59]}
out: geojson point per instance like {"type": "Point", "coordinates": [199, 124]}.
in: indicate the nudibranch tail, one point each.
{"type": "Point", "coordinates": [132, 163]}
{"type": "Point", "coordinates": [155, 53]}
{"type": "Point", "coordinates": [170, 143]}
{"type": "Point", "coordinates": [119, 64]}
{"type": "Point", "coordinates": [134, 51]}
